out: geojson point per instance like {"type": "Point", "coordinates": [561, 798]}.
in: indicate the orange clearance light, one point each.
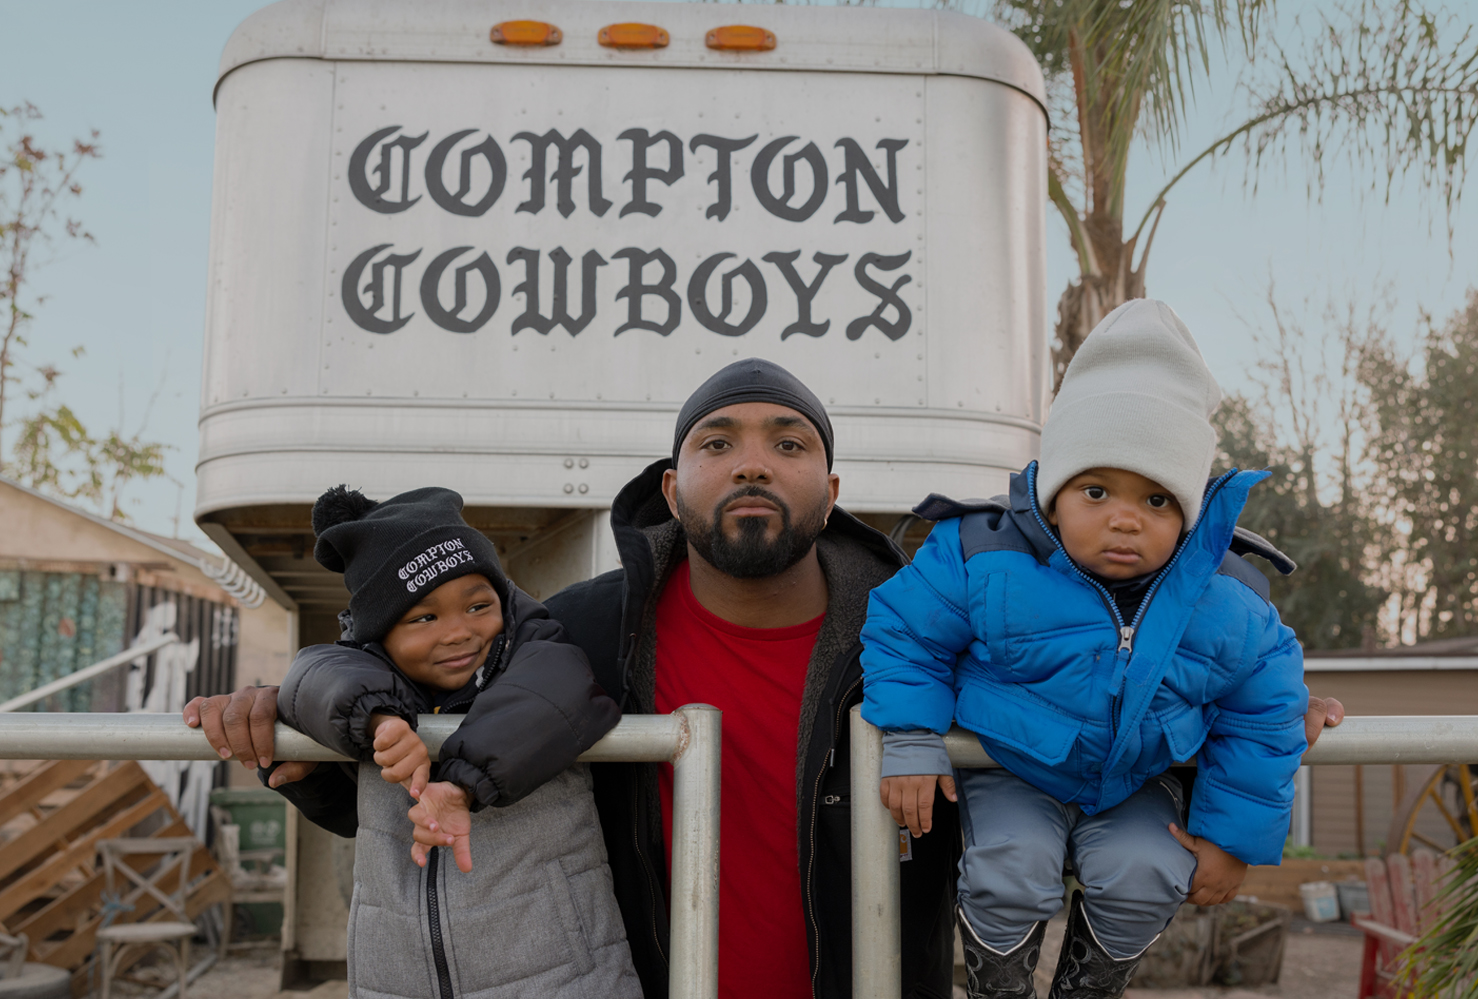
{"type": "Point", "coordinates": [525, 33]}
{"type": "Point", "coordinates": [633, 36]}
{"type": "Point", "coordinates": [740, 38]}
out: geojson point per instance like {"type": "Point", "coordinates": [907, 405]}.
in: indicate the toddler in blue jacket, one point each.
{"type": "Point", "coordinates": [1092, 628]}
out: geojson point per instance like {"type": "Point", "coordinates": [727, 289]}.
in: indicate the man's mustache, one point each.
{"type": "Point", "coordinates": [745, 492]}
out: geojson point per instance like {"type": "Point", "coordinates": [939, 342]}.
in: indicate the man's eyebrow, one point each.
{"type": "Point", "coordinates": [717, 423]}
{"type": "Point", "coordinates": [787, 421]}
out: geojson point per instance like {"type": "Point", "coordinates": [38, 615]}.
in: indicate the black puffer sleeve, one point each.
{"type": "Point", "coordinates": [536, 717]}
{"type": "Point", "coordinates": [332, 690]}
{"type": "Point", "coordinates": [328, 797]}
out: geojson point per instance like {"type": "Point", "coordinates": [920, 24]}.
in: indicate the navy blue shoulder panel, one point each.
{"type": "Point", "coordinates": [1243, 571]}
{"type": "Point", "coordinates": [1245, 542]}
{"type": "Point", "coordinates": [938, 507]}
{"type": "Point", "coordinates": [985, 525]}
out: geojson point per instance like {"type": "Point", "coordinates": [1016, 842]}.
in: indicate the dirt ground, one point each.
{"type": "Point", "coordinates": [1319, 963]}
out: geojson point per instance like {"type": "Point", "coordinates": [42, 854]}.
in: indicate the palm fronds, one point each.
{"type": "Point", "coordinates": [1443, 963]}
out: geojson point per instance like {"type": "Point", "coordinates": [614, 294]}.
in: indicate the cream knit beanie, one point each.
{"type": "Point", "coordinates": [1137, 396]}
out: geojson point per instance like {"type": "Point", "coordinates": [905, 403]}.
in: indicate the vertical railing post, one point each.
{"type": "Point", "coordinates": [877, 962]}
{"type": "Point", "coordinates": [695, 842]}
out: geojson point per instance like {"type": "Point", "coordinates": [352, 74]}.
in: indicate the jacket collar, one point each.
{"type": "Point", "coordinates": [640, 508]}
{"type": "Point", "coordinates": [1214, 533]}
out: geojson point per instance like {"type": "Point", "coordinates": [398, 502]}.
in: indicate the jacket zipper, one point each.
{"type": "Point", "coordinates": [1126, 631]}
{"type": "Point", "coordinates": [433, 916]}
{"type": "Point", "coordinates": [815, 799]}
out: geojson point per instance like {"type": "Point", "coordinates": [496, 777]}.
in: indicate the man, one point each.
{"type": "Point", "coordinates": [742, 585]}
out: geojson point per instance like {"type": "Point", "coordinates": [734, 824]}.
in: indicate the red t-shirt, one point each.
{"type": "Point", "coordinates": [756, 677]}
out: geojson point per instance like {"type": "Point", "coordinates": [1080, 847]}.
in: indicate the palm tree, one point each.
{"type": "Point", "coordinates": [1391, 87]}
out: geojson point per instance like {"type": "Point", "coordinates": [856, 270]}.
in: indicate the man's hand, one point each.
{"type": "Point", "coordinates": [911, 799]}
{"type": "Point", "coordinates": [442, 819]}
{"type": "Point", "coordinates": [1323, 711]}
{"type": "Point", "coordinates": [400, 753]}
{"type": "Point", "coordinates": [240, 725]}
{"type": "Point", "coordinates": [1218, 873]}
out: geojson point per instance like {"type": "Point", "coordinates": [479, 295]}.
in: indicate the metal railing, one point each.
{"type": "Point", "coordinates": [690, 739]}
{"type": "Point", "coordinates": [877, 969]}
{"type": "Point", "coordinates": [88, 672]}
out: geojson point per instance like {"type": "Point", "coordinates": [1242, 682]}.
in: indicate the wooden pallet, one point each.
{"type": "Point", "coordinates": [51, 886]}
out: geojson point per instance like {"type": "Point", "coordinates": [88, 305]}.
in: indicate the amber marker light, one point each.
{"type": "Point", "coordinates": [740, 38]}
{"type": "Point", "coordinates": [633, 36]}
{"type": "Point", "coordinates": [525, 33]}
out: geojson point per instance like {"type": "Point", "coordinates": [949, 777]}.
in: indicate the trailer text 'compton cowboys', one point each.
{"type": "Point", "coordinates": [383, 165]}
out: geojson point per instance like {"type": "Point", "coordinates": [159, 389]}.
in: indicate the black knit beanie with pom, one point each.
{"type": "Point", "coordinates": [394, 553]}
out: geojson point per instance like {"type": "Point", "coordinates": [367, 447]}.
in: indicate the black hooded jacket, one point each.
{"type": "Point", "coordinates": [612, 617]}
{"type": "Point", "coordinates": [531, 711]}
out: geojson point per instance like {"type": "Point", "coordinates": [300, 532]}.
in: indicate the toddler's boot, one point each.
{"type": "Point", "coordinates": [1085, 970]}
{"type": "Point", "coordinates": [994, 975]}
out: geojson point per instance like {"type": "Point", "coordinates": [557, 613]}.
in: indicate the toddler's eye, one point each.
{"type": "Point", "coordinates": [1159, 502]}
{"type": "Point", "coordinates": [1095, 492]}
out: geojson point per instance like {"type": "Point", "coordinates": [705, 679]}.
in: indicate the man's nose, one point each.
{"type": "Point", "coordinates": [751, 463]}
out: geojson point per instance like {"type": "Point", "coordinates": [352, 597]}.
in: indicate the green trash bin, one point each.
{"type": "Point", "coordinates": [261, 815]}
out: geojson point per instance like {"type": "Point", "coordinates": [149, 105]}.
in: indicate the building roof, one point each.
{"type": "Point", "coordinates": [1444, 653]}
{"type": "Point", "coordinates": [222, 571]}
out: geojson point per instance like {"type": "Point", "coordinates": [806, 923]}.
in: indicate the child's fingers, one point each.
{"type": "Point", "coordinates": [419, 779]}
{"type": "Point", "coordinates": [911, 811]}
{"type": "Point", "coordinates": [418, 853]}
{"type": "Point", "coordinates": [1184, 839]}
{"type": "Point", "coordinates": [462, 853]}
{"type": "Point", "coordinates": [926, 809]}
{"type": "Point", "coordinates": [430, 837]}
{"type": "Point", "coordinates": [893, 801]}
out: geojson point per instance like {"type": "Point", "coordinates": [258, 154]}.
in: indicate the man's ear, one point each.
{"type": "Point", "coordinates": [669, 492]}
{"type": "Point", "coordinates": [834, 485]}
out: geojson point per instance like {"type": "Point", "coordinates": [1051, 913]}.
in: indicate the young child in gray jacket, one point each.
{"type": "Point", "coordinates": [436, 627]}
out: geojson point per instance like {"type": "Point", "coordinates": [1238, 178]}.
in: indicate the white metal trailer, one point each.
{"type": "Point", "coordinates": [439, 257]}
{"type": "Point", "coordinates": [436, 259]}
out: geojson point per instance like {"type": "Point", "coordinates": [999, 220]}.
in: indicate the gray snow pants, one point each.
{"type": "Point", "coordinates": [1133, 872]}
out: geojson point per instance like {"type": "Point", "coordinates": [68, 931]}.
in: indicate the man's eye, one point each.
{"type": "Point", "coordinates": [1095, 492]}
{"type": "Point", "coordinates": [716, 445]}
{"type": "Point", "coordinates": [789, 445]}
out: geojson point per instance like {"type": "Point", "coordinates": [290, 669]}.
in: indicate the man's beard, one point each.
{"type": "Point", "coordinates": [751, 555]}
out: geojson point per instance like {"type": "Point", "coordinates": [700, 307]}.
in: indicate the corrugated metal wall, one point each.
{"type": "Point", "coordinates": [53, 623]}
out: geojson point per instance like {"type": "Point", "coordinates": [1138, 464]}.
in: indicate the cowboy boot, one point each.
{"type": "Point", "coordinates": [1085, 970]}
{"type": "Point", "coordinates": [994, 975]}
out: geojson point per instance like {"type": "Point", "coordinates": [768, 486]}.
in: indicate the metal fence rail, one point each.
{"type": "Point", "coordinates": [876, 962]}
{"type": "Point", "coordinates": [689, 738]}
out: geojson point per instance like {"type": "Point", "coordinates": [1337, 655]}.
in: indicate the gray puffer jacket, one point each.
{"type": "Point", "coordinates": [537, 915]}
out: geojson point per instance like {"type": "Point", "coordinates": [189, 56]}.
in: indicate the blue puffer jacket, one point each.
{"type": "Point", "coordinates": [994, 627]}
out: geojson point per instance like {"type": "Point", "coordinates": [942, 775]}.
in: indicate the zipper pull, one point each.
{"type": "Point", "coordinates": [1126, 639]}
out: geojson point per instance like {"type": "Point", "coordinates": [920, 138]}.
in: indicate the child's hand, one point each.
{"type": "Point", "coordinates": [400, 753]}
{"type": "Point", "coordinates": [1218, 873]}
{"type": "Point", "coordinates": [911, 799]}
{"type": "Point", "coordinates": [442, 819]}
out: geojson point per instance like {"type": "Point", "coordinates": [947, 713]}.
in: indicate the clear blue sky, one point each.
{"type": "Point", "coordinates": [142, 74]}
